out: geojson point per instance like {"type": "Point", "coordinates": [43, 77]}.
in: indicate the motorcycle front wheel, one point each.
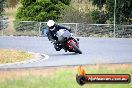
{"type": "Point", "coordinates": [77, 50]}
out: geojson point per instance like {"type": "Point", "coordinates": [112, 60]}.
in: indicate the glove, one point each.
{"type": "Point", "coordinates": [56, 42]}
{"type": "Point", "coordinates": [72, 34]}
{"type": "Point", "coordinates": [52, 40]}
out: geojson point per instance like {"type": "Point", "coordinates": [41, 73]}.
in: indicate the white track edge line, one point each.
{"type": "Point", "coordinates": [37, 58]}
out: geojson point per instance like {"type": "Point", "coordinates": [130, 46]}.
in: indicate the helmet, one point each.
{"type": "Point", "coordinates": [50, 23]}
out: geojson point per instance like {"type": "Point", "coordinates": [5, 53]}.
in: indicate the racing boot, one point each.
{"type": "Point", "coordinates": [57, 47]}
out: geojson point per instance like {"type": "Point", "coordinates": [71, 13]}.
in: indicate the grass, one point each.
{"type": "Point", "coordinates": [63, 77]}
{"type": "Point", "coordinates": [11, 12]}
{"type": "Point", "coordinates": [10, 56]}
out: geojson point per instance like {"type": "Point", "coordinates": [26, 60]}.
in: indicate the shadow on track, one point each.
{"type": "Point", "coordinates": [66, 54]}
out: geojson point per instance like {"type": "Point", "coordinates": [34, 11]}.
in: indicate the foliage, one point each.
{"type": "Point", "coordinates": [123, 10]}
{"type": "Point", "coordinates": [40, 10]}
{"type": "Point", "coordinates": [69, 14]}
{"type": "Point", "coordinates": [1, 7]}
{"type": "Point", "coordinates": [99, 16]}
{"type": "Point", "coordinates": [99, 3]}
{"type": "Point", "coordinates": [2, 2]}
{"type": "Point", "coordinates": [11, 3]}
{"type": "Point", "coordinates": [66, 2]}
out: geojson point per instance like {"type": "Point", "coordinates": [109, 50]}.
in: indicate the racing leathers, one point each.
{"type": "Point", "coordinates": [51, 34]}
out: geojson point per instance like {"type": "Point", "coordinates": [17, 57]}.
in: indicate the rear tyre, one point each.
{"type": "Point", "coordinates": [77, 50]}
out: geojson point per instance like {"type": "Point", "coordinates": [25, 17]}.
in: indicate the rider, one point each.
{"type": "Point", "coordinates": [52, 30]}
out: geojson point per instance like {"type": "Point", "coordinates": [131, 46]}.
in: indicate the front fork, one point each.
{"type": "Point", "coordinates": [76, 39]}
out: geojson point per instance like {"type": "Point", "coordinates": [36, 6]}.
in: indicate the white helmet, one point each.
{"type": "Point", "coordinates": [50, 23]}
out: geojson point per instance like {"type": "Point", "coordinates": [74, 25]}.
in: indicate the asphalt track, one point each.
{"type": "Point", "coordinates": [95, 51]}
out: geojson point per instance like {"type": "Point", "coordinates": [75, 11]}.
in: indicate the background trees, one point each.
{"type": "Point", "coordinates": [123, 11]}
{"type": "Point", "coordinates": [1, 7]}
{"type": "Point", "coordinates": [62, 10]}
{"type": "Point", "coordinates": [40, 10]}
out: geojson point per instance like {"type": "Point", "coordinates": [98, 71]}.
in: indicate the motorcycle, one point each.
{"type": "Point", "coordinates": [66, 39]}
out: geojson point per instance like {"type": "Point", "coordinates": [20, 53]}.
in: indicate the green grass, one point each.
{"type": "Point", "coordinates": [65, 78]}
{"type": "Point", "coordinates": [10, 56]}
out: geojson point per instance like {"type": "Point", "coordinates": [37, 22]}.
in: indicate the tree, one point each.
{"type": "Point", "coordinates": [1, 13]}
{"type": "Point", "coordinates": [123, 10]}
{"type": "Point", "coordinates": [98, 3]}
{"type": "Point", "coordinates": [70, 14]}
{"type": "Point", "coordinates": [99, 16]}
{"type": "Point", "coordinates": [1, 7]}
{"type": "Point", "coordinates": [41, 10]}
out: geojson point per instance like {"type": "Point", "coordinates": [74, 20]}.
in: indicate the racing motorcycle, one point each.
{"type": "Point", "coordinates": [67, 40]}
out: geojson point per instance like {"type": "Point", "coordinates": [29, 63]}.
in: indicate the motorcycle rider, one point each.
{"type": "Point", "coordinates": [51, 34]}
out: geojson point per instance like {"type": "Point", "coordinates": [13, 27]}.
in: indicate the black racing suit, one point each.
{"type": "Point", "coordinates": [53, 38]}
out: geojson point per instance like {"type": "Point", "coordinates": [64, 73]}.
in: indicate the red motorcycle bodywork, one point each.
{"type": "Point", "coordinates": [69, 46]}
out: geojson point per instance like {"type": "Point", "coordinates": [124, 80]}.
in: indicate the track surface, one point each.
{"type": "Point", "coordinates": [95, 51]}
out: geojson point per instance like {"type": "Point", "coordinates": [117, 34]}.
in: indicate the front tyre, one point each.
{"type": "Point", "coordinates": [77, 50]}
